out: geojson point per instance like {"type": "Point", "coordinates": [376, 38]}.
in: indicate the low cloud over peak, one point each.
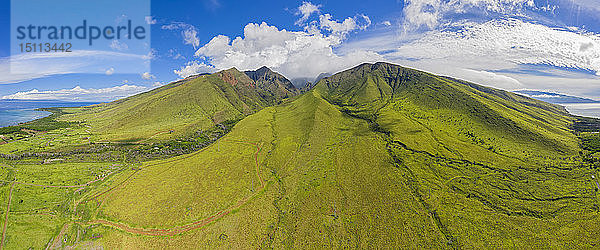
{"type": "Point", "coordinates": [295, 54]}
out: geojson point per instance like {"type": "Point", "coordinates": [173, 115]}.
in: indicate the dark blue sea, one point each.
{"type": "Point", "coordinates": [13, 112]}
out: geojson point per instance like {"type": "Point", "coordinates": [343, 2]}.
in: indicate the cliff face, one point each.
{"type": "Point", "coordinates": [271, 85]}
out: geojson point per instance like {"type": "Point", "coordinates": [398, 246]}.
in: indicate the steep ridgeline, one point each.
{"type": "Point", "coordinates": [271, 85]}
{"type": "Point", "coordinates": [377, 155]}
{"type": "Point", "coordinates": [431, 112]}
{"type": "Point", "coordinates": [185, 106]}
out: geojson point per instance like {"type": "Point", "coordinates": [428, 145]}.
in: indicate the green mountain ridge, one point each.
{"type": "Point", "coordinates": [373, 91]}
{"type": "Point", "coordinates": [185, 106]}
{"type": "Point", "coordinates": [374, 156]}
{"type": "Point", "coordinates": [384, 155]}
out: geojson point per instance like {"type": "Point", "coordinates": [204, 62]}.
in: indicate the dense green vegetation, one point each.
{"type": "Point", "coordinates": [586, 124]}
{"type": "Point", "coordinates": [588, 131]}
{"type": "Point", "coordinates": [76, 144]}
{"type": "Point", "coordinates": [375, 156]}
{"type": "Point", "coordinates": [591, 142]}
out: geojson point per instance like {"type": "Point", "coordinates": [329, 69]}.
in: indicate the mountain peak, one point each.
{"type": "Point", "coordinates": [262, 72]}
{"type": "Point", "coordinates": [231, 70]}
{"type": "Point", "coordinates": [272, 83]}
{"type": "Point", "coordinates": [264, 68]}
{"type": "Point", "coordinates": [377, 66]}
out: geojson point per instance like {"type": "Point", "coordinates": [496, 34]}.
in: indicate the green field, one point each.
{"type": "Point", "coordinates": [377, 156]}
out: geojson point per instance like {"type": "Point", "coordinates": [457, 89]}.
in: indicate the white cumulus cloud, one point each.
{"type": "Point", "coordinates": [194, 68]}
{"type": "Point", "coordinates": [294, 54]}
{"type": "Point", "coordinates": [188, 31]}
{"type": "Point", "coordinates": [148, 76]}
{"type": "Point", "coordinates": [340, 30]}
{"type": "Point", "coordinates": [305, 10]}
{"type": "Point", "coordinates": [79, 94]}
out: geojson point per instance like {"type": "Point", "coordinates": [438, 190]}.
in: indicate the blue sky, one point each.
{"type": "Point", "coordinates": [550, 45]}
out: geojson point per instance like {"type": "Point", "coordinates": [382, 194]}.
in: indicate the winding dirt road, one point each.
{"type": "Point", "coordinates": [38, 185]}
{"type": "Point", "coordinates": [6, 216]}
{"type": "Point", "coordinates": [183, 228]}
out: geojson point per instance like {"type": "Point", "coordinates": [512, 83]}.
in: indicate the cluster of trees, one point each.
{"type": "Point", "coordinates": [133, 152]}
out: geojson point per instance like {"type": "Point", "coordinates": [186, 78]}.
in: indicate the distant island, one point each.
{"type": "Point", "coordinates": [554, 97]}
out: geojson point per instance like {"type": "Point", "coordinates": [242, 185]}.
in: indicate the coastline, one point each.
{"type": "Point", "coordinates": [17, 113]}
{"type": "Point", "coordinates": [22, 116]}
{"type": "Point", "coordinates": [583, 109]}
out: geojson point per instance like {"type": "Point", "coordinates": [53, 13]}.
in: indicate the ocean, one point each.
{"type": "Point", "coordinates": [584, 109]}
{"type": "Point", "coordinates": [13, 112]}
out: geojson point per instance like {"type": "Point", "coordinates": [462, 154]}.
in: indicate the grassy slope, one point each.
{"type": "Point", "coordinates": [510, 155]}
{"type": "Point", "coordinates": [375, 156]}
{"type": "Point", "coordinates": [38, 213]}
{"type": "Point", "coordinates": [315, 194]}
{"type": "Point", "coordinates": [184, 107]}
{"type": "Point", "coordinates": [411, 101]}
{"type": "Point", "coordinates": [432, 162]}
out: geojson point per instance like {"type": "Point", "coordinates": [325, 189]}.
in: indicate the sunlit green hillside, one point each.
{"type": "Point", "coordinates": [183, 107]}
{"type": "Point", "coordinates": [375, 156]}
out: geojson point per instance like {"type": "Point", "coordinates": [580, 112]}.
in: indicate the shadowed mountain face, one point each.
{"type": "Point", "coordinates": [302, 82]}
{"type": "Point", "coordinates": [321, 76]}
{"type": "Point", "coordinates": [271, 85]}
{"type": "Point", "coordinates": [306, 83]}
